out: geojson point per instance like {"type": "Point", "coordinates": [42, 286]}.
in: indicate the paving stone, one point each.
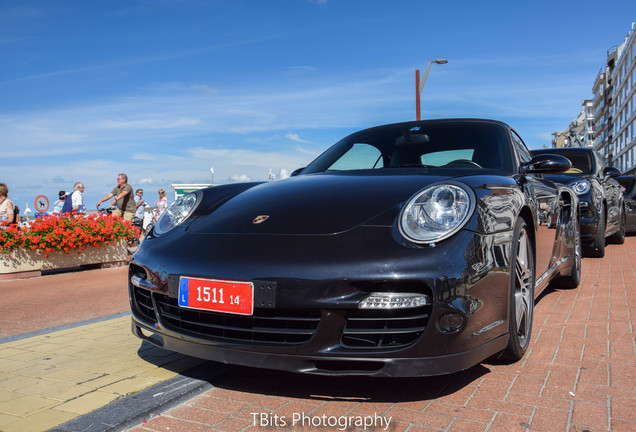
{"type": "Point", "coordinates": [21, 405]}
{"type": "Point", "coordinates": [59, 391]}
{"type": "Point", "coordinates": [6, 419]}
{"type": "Point", "coordinates": [130, 385]}
{"type": "Point", "coordinates": [87, 403]}
{"type": "Point", "coordinates": [38, 422]}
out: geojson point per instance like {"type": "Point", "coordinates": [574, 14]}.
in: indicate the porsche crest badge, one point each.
{"type": "Point", "coordinates": [260, 219]}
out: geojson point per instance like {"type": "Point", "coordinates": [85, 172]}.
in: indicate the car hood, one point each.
{"type": "Point", "coordinates": [315, 204]}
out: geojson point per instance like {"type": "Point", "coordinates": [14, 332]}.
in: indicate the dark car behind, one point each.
{"type": "Point", "coordinates": [600, 197]}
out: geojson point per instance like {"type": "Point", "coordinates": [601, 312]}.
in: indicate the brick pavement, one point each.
{"type": "Point", "coordinates": [579, 375]}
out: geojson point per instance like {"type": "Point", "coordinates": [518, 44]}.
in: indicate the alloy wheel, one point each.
{"type": "Point", "coordinates": [523, 295]}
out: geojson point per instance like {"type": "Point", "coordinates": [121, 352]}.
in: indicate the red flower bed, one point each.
{"type": "Point", "coordinates": [68, 233]}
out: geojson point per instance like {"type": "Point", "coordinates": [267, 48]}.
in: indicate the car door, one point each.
{"type": "Point", "coordinates": [613, 195]}
{"type": "Point", "coordinates": [544, 195]}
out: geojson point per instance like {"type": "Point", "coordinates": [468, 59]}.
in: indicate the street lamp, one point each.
{"type": "Point", "coordinates": [420, 84]}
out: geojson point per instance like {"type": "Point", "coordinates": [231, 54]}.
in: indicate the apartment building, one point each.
{"type": "Point", "coordinates": [624, 106]}
{"type": "Point", "coordinates": [607, 121]}
{"type": "Point", "coordinates": [580, 133]}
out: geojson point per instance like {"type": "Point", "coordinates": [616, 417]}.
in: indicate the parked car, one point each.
{"type": "Point", "coordinates": [408, 249]}
{"type": "Point", "coordinates": [600, 197]}
{"type": "Point", "coordinates": [629, 199]}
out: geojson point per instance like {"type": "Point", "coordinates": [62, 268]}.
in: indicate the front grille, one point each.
{"type": "Point", "coordinates": [142, 302]}
{"type": "Point", "coordinates": [384, 328]}
{"type": "Point", "coordinates": [282, 327]}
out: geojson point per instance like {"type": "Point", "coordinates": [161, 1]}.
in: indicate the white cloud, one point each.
{"type": "Point", "coordinates": [244, 158]}
{"type": "Point", "coordinates": [148, 157]}
{"type": "Point", "coordinates": [204, 88]}
{"type": "Point", "coordinates": [240, 178]}
{"type": "Point", "coordinates": [295, 137]}
{"type": "Point", "coordinates": [311, 153]}
{"type": "Point", "coordinates": [157, 123]}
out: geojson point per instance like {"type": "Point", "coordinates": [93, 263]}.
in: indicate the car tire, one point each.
{"type": "Point", "coordinates": [619, 237]}
{"type": "Point", "coordinates": [597, 248]}
{"type": "Point", "coordinates": [521, 302]}
{"type": "Point", "coordinates": [574, 278]}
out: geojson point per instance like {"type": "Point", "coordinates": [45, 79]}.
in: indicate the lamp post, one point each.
{"type": "Point", "coordinates": [420, 84]}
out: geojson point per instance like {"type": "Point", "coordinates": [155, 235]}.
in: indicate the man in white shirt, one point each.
{"type": "Point", "coordinates": [75, 200]}
{"type": "Point", "coordinates": [140, 204]}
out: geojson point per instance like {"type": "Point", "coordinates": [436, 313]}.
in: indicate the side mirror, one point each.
{"type": "Point", "coordinates": [546, 163]}
{"type": "Point", "coordinates": [296, 172]}
{"type": "Point", "coordinates": [611, 172]}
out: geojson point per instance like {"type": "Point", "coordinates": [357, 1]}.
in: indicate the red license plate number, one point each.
{"type": "Point", "coordinates": [217, 295]}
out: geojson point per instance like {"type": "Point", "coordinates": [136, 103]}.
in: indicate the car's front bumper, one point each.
{"type": "Point", "coordinates": [314, 324]}
{"type": "Point", "coordinates": [325, 364]}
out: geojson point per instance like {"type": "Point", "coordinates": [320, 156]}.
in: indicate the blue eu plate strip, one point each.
{"type": "Point", "coordinates": [183, 292]}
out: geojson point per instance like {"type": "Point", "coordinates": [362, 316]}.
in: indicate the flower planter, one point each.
{"type": "Point", "coordinates": [26, 262]}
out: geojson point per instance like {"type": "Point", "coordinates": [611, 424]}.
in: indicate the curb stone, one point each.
{"type": "Point", "coordinates": [134, 409]}
{"type": "Point", "coordinates": [49, 330]}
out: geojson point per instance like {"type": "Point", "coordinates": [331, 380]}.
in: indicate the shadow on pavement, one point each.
{"type": "Point", "coordinates": [394, 390]}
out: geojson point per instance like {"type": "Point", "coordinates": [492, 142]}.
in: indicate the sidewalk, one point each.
{"type": "Point", "coordinates": [66, 349]}
{"type": "Point", "coordinates": [50, 379]}
{"type": "Point", "coordinates": [580, 372]}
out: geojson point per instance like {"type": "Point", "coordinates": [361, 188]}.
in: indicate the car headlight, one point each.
{"type": "Point", "coordinates": [581, 187]}
{"type": "Point", "coordinates": [174, 215]}
{"type": "Point", "coordinates": [437, 212]}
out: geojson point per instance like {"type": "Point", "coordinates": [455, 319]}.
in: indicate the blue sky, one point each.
{"type": "Point", "coordinates": [163, 90]}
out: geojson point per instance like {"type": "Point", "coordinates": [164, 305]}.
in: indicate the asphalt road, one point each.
{"type": "Point", "coordinates": [43, 302]}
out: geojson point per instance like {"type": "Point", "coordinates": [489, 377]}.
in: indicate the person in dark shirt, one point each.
{"type": "Point", "coordinates": [123, 196]}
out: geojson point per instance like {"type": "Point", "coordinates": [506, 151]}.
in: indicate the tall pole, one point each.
{"type": "Point", "coordinates": [417, 95]}
{"type": "Point", "coordinates": [419, 85]}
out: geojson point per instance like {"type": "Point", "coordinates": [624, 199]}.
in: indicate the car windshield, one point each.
{"type": "Point", "coordinates": [449, 145]}
{"type": "Point", "coordinates": [581, 161]}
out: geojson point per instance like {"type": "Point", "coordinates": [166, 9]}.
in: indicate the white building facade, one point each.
{"type": "Point", "coordinates": [624, 106]}
{"type": "Point", "coordinates": [607, 121]}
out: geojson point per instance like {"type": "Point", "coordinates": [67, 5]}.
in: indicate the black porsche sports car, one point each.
{"type": "Point", "coordinates": [600, 197]}
{"type": "Point", "coordinates": [408, 249]}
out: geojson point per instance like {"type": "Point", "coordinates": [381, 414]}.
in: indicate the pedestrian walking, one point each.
{"type": "Point", "coordinates": [57, 207]}
{"type": "Point", "coordinates": [140, 205]}
{"type": "Point", "coordinates": [161, 204]}
{"type": "Point", "coordinates": [7, 209]}
{"type": "Point", "coordinates": [74, 202]}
